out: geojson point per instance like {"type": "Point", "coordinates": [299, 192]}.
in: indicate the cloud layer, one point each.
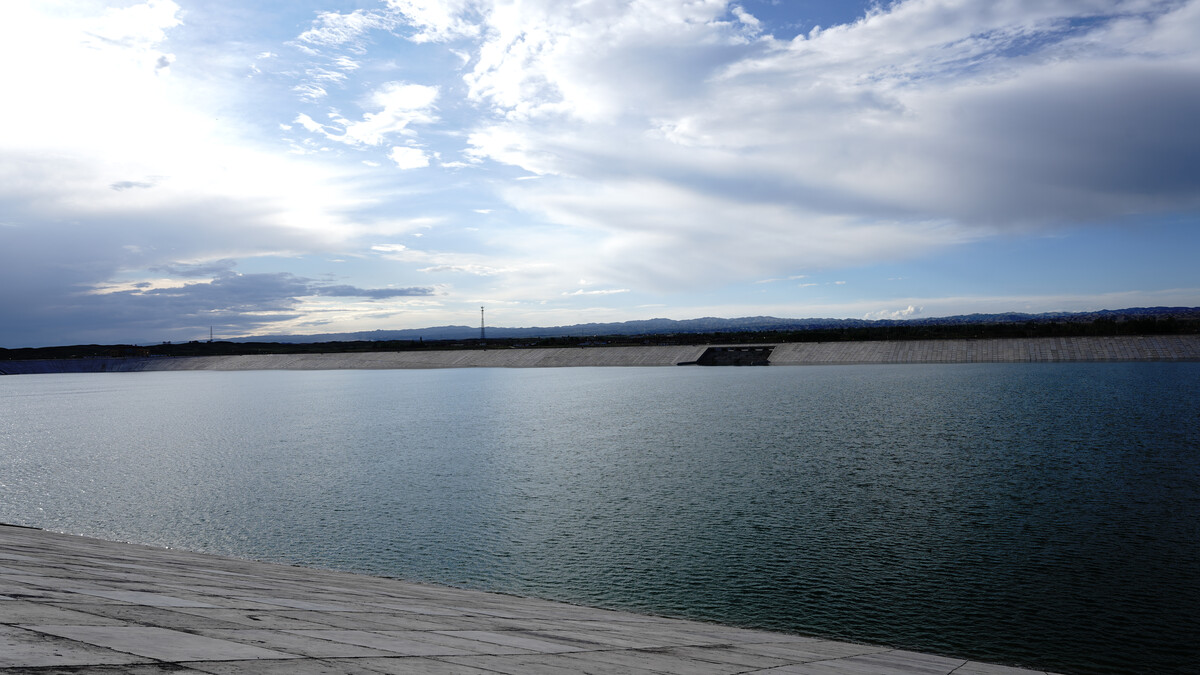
{"type": "Point", "coordinates": [687, 132]}
{"type": "Point", "coordinates": [402, 158]}
{"type": "Point", "coordinates": [922, 125]}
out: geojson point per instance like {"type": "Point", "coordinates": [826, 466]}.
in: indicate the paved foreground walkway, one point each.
{"type": "Point", "coordinates": [77, 605]}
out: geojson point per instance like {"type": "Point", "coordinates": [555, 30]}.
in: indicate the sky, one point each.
{"type": "Point", "coordinates": [259, 167]}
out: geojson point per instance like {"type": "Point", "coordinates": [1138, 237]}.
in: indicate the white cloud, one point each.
{"type": "Point", "coordinates": [333, 28]}
{"type": "Point", "coordinates": [794, 277]}
{"type": "Point", "coordinates": [906, 313]}
{"type": "Point", "coordinates": [110, 167]}
{"type": "Point", "coordinates": [139, 26]}
{"type": "Point", "coordinates": [672, 236]}
{"type": "Point", "coordinates": [398, 106]}
{"type": "Point", "coordinates": [523, 275]}
{"type": "Point", "coordinates": [645, 146]}
{"type": "Point", "coordinates": [310, 92]}
{"type": "Point", "coordinates": [473, 269]}
{"type": "Point", "coordinates": [409, 158]}
{"type": "Point", "coordinates": [925, 124]}
{"type": "Point", "coordinates": [309, 123]}
{"type": "Point", "coordinates": [747, 18]}
{"type": "Point", "coordinates": [436, 20]}
{"type": "Point", "coordinates": [611, 291]}
{"type": "Point", "coordinates": [596, 61]}
{"type": "Point", "coordinates": [326, 76]}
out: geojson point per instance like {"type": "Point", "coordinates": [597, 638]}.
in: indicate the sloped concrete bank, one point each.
{"type": "Point", "coordinates": [1126, 348]}
{"type": "Point", "coordinates": [489, 358]}
{"type": "Point", "coordinates": [78, 605]}
{"type": "Point", "coordinates": [1131, 348]}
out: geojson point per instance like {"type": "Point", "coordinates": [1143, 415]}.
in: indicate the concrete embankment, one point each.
{"type": "Point", "coordinates": [1128, 348]}
{"type": "Point", "coordinates": [1020, 350]}
{"type": "Point", "coordinates": [77, 605]}
{"type": "Point", "coordinates": [467, 358]}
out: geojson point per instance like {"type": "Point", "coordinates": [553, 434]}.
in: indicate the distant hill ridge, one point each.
{"type": "Point", "coordinates": [736, 325]}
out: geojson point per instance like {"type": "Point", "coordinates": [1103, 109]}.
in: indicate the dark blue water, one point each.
{"type": "Point", "coordinates": [1038, 514]}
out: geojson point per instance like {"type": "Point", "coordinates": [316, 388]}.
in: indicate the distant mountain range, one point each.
{"type": "Point", "coordinates": [739, 325]}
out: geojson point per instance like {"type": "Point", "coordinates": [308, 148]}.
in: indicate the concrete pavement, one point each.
{"type": "Point", "coordinates": [77, 605]}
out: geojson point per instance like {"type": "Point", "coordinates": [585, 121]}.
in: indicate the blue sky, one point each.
{"type": "Point", "coordinates": [310, 167]}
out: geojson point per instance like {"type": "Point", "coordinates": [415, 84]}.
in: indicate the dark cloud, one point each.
{"type": "Point", "coordinates": [129, 184]}
{"type": "Point", "coordinates": [373, 293]}
{"type": "Point", "coordinates": [54, 251]}
{"type": "Point", "coordinates": [196, 270]}
{"type": "Point", "coordinates": [230, 303]}
{"type": "Point", "coordinates": [1078, 145]}
{"type": "Point", "coordinates": [46, 277]}
{"type": "Point", "coordinates": [235, 293]}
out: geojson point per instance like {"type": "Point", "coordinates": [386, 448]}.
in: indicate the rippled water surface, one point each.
{"type": "Point", "coordinates": [1040, 514]}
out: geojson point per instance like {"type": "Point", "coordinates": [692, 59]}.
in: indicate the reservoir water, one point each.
{"type": "Point", "coordinates": [1046, 515]}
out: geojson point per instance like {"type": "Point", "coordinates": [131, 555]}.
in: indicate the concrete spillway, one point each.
{"type": "Point", "coordinates": [1130, 348]}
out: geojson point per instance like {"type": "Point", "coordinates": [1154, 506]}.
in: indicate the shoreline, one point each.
{"type": "Point", "coordinates": [80, 604]}
{"type": "Point", "coordinates": [990, 350]}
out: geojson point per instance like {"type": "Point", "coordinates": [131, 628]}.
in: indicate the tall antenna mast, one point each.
{"type": "Point", "coordinates": [481, 324]}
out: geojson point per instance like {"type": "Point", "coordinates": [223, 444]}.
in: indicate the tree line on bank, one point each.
{"type": "Point", "coordinates": [1099, 327]}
